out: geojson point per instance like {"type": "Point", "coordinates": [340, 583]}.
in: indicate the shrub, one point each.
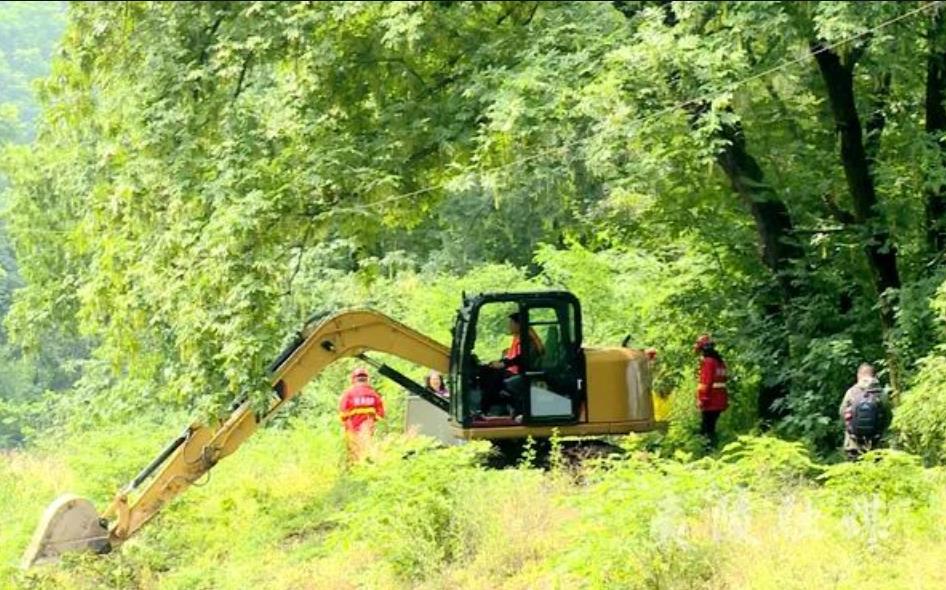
{"type": "Point", "coordinates": [766, 463]}
{"type": "Point", "coordinates": [920, 419]}
{"type": "Point", "coordinates": [891, 476]}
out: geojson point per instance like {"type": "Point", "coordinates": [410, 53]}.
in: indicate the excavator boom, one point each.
{"type": "Point", "coordinates": [72, 524]}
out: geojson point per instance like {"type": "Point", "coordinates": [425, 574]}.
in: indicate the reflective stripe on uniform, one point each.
{"type": "Point", "coordinates": [719, 385]}
{"type": "Point", "coordinates": [358, 412]}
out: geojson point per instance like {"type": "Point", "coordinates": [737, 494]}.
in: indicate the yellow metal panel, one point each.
{"type": "Point", "coordinates": [350, 333]}
{"type": "Point", "coordinates": [619, 385]}
{"type": "Point", "coordinates": [662, 407]}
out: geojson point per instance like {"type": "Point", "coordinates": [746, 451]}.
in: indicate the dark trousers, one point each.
{"type": "Point", "coordinates": [863, 446]}
{"type": "Point", "coordinates": [492, 383]}
{"type": "Point", "coordinates": [708, 425]}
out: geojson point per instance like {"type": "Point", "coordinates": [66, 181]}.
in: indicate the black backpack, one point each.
{"type": "Point", "coordinates": [866, 416]}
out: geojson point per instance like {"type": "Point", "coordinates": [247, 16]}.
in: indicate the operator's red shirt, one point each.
{"type": "Point", "coordinates": [513, 356]}
{"type": "Point", "coordinates": [360, 407]}
{"type": "Point", "coordinates": [711, 394]}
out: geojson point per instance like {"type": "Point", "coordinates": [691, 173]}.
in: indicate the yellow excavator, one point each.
{"type": "Point", "coordinates": [559, 385]}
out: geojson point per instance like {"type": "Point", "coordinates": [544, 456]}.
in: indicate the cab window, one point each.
{"type": "Point", "coordinates": [492, 331]}
{"type": "Point", "coordinates": [552, 363]}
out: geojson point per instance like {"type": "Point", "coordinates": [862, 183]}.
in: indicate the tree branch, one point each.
{"type": "Point", "coordinates": [878, 246]}
{"type": "Point", "coordinates": [528, 19]}
{"type": "Point", "coordinates": [205, 50]}
{"type": "Point", "coordinates": [935, 204]}
{"type": "Point", "coordinates": [298, 266]}
{"type": "Point", "coordinates": [239, 86]}
{"type": "Point", "coordinates": [821, 230]}
{"type": "Point", "coordinates": [508, 12]}
{"type": "Point", "coordinates": [211, 33]}
{"type": "Point", "coordinates": [399, 61]}
{"type": "Point", "coordinates": [836, 211]}
{"type": "Point", "coordinates": [874, 126]}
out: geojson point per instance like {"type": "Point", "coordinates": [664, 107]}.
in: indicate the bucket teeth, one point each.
{"type": "Point", "coordinates": [70, 523]}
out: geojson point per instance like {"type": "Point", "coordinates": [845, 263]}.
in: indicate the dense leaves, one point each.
{"type": "Point", "coordinates": [28, 32]}
{"type": "Point", "coordinates": [205, 172]}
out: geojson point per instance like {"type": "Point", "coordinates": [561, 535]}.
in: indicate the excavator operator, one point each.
{"type": "Point", "coordinates": [494, 376]}
{"type": "Point", "coordinates": [359, 408]}
{"type": "Point", "coordinates": [512, 360]}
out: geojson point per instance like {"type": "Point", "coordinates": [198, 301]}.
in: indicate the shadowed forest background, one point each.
{"type": "Point", "coordinates": [183, 184]}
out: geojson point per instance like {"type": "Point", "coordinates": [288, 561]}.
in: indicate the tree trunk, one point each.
{"type": "Point", "coordinates": [780, 251]}
{"type": "Point", "coordinates": [936, 127]}
{"type": "Point", "coordinates": [878, 246]}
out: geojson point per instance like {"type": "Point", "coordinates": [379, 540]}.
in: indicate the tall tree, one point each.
{"type": "Point", "coordinates": [778, 245]}
{"type": "Point", "coordinates": [857, 162]}
{"type": "Point", "coordinates": [935, 126]}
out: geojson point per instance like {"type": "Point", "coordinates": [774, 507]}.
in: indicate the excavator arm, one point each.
{"type": "Point", "coordinates": [71, 523]}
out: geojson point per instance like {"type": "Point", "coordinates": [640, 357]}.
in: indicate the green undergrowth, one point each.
{"type": "Point", "coordinates": [286, 513]}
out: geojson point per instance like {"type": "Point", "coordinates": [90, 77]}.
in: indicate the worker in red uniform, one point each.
{"type": "Point", "coordinates": [711, 395]}
{"type": "Point", "coordinates": [359, 408]}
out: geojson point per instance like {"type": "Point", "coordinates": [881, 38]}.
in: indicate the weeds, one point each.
{"type": "Point", "coordinates": [285, 515]}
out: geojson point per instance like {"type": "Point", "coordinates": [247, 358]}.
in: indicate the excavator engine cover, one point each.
{"type": "Point", "coordinates": [70, 523]}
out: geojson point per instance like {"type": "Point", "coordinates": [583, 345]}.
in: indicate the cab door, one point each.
{"type": "Point", "coordinates": [554, 368]}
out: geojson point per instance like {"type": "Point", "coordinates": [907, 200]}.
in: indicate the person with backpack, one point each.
{"type": "Point", "coordinates": [865, 410]}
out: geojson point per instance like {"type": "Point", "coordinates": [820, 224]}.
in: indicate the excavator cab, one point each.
{"type": "Point", "coordinates": [547, 386]}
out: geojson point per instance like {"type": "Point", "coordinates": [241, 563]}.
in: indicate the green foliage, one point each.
{"type": "Point", "coordinates": [920, 418]}
{"type": "Point", "coordinates": [406, 509]}
{"type": "Point", "coordinates": [282, 513]}
{"type": "Point", "coordinates": [766, 461]}
{"type": "Point", "coordinates": [650, 522]}
{"type": "Point", "coordinates": [892, 476]}
{"type": "Point", "coordinates": [822, 377]}
{"type": "Point", "coordinates": [223, 210]}
{"type": "Point", "coordinates": [28, 32]}
{"type": "Point", "coordinates": [205, 176]}
{"type": "Point", "coordinates": [175, 213]}
{"type": "Point", "coordinates": [181, 273]}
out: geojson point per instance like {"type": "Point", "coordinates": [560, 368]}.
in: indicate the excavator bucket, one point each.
{"type": "Point", "coordinates": [70, 523]}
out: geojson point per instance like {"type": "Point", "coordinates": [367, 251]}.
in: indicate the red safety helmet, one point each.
{"type": "Point", "coordinates": [359, 372]}
{"type": "Point", "coordinates": [702, 342]}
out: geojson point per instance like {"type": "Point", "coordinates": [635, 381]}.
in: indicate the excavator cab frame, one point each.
{"type": "Point", "coordinates": [550, 390]}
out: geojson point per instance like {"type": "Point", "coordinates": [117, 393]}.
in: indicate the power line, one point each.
{"type": "Point", "coordinates": [706, 97]}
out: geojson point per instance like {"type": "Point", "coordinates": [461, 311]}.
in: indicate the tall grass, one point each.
{"type": "Point", "coordinates": [285, 513]}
